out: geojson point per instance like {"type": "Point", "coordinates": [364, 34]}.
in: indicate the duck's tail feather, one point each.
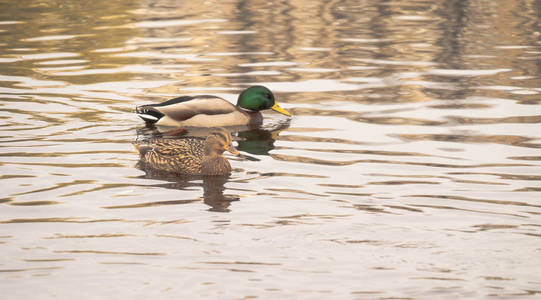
{"type": "Point", "coordinates": [142, 148]}
{"type": "Point", "coordinates": [148, 113]}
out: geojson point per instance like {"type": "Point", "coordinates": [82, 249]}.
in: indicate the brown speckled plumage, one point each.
{"type": "Point", "coordinates": [193, 156]}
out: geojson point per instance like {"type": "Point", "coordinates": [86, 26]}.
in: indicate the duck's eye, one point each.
{"type": "Point", "coordinates": [268, 96]}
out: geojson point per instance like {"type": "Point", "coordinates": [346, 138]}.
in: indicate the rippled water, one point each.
{"type": "Point", "coordinates": [411, 167]}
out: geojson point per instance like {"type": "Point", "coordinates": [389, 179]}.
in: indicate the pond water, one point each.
{"type": "Point", "coordinates": [411, 167]}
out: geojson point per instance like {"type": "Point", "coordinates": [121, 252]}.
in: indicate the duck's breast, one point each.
{"type": "Point", "coordinates": [234, 118]}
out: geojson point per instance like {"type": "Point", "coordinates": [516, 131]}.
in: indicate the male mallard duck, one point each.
{"type": "Point", "coordinates": [191, 156]}
{"type": "Point", "coordinates": [211, 111]}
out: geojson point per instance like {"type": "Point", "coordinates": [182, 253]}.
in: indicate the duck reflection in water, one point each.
{"type": "Point", "coordinates": [213, 187]}
{"type": "Point", "coordinates": [260, 141]}
{"type": "Point", "coordinates": [257, 141]}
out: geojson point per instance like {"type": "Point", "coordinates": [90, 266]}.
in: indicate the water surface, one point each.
{"type": "Point", "coordinates": [411, 167]}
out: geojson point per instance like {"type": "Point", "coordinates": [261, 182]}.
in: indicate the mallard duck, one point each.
{"type": "Point", "coordinates": [192, 156]}
{"type": "Point", "coordinates": [211, 111]}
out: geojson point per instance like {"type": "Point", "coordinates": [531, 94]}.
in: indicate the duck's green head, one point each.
{"type": "Point", "coordinates": [257, 97]}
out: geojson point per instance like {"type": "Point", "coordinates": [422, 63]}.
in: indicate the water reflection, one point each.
{"type": "Point", "coordinates": [257, 141]}
{"type": "Point", "coordinates": [414, 149]}
{"type": "Point", "coordinates": [213, 190]}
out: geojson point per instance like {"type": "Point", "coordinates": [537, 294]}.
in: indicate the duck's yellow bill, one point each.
{"type": "Point", "coordinates": [233, 150]}
{"type": "Point", "coordinates": [277, 108]}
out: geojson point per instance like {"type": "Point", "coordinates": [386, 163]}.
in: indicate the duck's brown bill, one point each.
{"type": "Point", "coordinates": [233, 150]}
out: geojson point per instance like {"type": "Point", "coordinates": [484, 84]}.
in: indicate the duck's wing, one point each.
{"type": "Point", "coordinates": [171, 147]}
{"type": "Point", "coordinates": [184, 108]}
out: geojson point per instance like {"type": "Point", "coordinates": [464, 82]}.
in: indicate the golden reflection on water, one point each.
{"type": "Point", "coordinates": [410, 169]}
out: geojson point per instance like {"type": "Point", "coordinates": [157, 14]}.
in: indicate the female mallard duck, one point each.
{"type": "Point", "coordinates": [211, 111]}
{"type": "Point", "coordinates": [191, 156]}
